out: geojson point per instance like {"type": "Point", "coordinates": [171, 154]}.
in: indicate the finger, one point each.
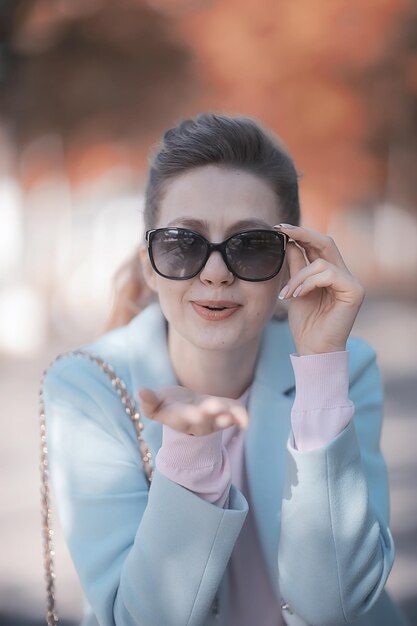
{"type": "Point", "coordinates": [212, 407]}
{"type": "Point", "coordinates": [295, 258]}
{"type": "Point", "coordinates": [177, 415]}
{"type": "Point", "coordinates": [240, 415]}
{"type": "Point", "coordinates": [344, 287]}
{"type": "Point", "coordinates": [320, 279]}
{"type": "Point", "coordinates": [235, 415]}
{"type": "Point", "coordinates": [150, 401]}
{"type": "Point", "coordinates": [181, 417]}
{"type": "Point", "coordinates": [319, 265]}
{"type": "Point", "coordinates": [317, 245]}
{"type": "Point", "coordinates": [199, 424]}
{"type": "Point", "coordinates": [296, 263]}
{"type": "Point", "coordinates": [189, 419]}
{"type": "Point", "coordinates": [224, 421]}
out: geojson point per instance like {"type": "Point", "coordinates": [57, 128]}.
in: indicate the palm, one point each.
{"type": "Point", "coordinates": [191, 413]}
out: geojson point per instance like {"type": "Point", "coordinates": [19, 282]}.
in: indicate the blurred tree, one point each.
{"type": "Point", "coordinates": [337, 82]}
{"type": "Point", "coordinates": [92, 72]}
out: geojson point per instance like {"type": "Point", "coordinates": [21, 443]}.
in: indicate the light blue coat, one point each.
{"type": "Point", "coordinates": [159, 558]}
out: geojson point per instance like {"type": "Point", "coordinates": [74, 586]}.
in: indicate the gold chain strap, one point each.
{"type": "Point", "coordinates": [46, 510]}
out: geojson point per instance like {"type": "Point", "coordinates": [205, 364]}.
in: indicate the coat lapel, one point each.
{"type": "Point", "coordinates": [266, 455]}
{"type": "Point", "coordinates": [149, 363]}
{"type": "Point", "coordinates": [269, 406]}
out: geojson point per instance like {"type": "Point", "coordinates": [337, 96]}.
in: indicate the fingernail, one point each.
{"type": "Point", "coordinates": [297, 291]}
{"type": "Point", "coordinates": [283, 292]}
{"type": "Point", "coordinates": [286, 226]}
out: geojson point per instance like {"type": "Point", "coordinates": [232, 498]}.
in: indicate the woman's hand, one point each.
{"type": "Point", "coordinates": [324, 296]}
{"type": "Point", "coordinates": [191, 413]}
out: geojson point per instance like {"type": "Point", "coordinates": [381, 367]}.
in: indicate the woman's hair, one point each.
{"type": "Point", "coordinates": [209, 139]}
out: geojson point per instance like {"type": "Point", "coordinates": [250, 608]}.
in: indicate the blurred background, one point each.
{"type": "Point", "coordinates": [86, 89]}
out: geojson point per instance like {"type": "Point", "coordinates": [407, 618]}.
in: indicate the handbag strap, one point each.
{"type": "Point", "coordinates": [132, 411]}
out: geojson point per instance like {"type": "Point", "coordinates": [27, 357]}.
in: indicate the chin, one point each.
{"type": "Point", "coordinates": [218, 338]}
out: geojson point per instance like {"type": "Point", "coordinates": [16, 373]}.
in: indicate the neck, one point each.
{"type": "Point", "coordinates": [213, 372]}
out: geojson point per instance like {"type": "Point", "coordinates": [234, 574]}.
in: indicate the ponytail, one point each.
{"type": "Point", "coordinates": [131, 293]}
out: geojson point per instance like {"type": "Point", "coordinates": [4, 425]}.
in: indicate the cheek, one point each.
{"type": "Point", "coordinates": [263, 298]}
{"type": "Point", "coordinates": [170, 293]}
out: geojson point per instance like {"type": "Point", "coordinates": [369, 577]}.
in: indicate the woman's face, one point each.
{"type": "Point", "coordinates": [216, 202]}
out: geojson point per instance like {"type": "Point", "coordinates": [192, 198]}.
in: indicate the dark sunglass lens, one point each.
{"type": "Point", "coordinates": [177, 253]}
{"type": "Point", "coordinates": [257, 255]}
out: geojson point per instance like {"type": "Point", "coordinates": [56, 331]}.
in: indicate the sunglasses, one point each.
{"type": "Point", "coordinates": [180, 254]}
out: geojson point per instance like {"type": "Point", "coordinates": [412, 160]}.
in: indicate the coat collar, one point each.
{"type": "Point", "coordinates": [150, 364]}
{"type": "Point", "coordinates": [269, 406]}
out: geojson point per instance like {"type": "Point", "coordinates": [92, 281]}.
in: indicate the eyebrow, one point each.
{"type": "Point", "coordinates": [203, 225]}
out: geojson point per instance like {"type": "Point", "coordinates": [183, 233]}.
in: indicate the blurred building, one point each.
{"type": "Point", "coordinates": [86, 88]}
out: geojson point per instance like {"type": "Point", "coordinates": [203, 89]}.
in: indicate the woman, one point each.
{"type": "Point", "coordinates": [269, 501]}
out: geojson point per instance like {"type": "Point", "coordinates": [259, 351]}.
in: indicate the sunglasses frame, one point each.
{"type": "Point", "coordinates": [214, 247]}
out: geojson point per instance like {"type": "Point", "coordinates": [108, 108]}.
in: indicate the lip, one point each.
{"type": "Point", "coordinates": [228, 304]}
{"type": "Point", "coordinates": [199, 307]}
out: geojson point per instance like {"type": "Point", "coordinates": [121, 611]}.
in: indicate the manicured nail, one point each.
{"type": "Point", "coordinates": [286, 226]}
{"type": "Point", "coordinates": [297, 291]}
{"type": "Point", "coordinates": [283, 292]}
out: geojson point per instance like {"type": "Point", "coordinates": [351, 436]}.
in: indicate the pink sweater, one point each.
{"type": "Point", "coordinates": [208, 465]}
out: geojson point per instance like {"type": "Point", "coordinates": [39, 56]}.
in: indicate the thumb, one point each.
{"type": "Point", "coordinates": [150, 400]}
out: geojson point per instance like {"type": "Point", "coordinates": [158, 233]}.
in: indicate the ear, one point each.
{"type": "Point", "coordinates": [148, 272]}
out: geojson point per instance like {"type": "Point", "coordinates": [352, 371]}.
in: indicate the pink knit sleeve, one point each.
{"type": "Point", "coordinates": [321, 408]}
{"type": "Point", "coordinates": [200, 464]}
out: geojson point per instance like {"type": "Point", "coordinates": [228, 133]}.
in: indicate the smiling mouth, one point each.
{"type": "Point", "coordinates": [216, 306]}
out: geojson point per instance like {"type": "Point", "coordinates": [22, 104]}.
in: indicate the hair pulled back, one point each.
{"type": "Point", "coordinates": [233, 142]}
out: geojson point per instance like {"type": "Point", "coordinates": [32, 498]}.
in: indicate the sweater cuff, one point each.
{"type": "Point", "coordinates": [321, 380]}
{"type": "Point", "coordinates": [322, 408]}
{"type": "Point", "coordinates": [184, 451]}
{"type": "Point", "coordinates": [200, 464]}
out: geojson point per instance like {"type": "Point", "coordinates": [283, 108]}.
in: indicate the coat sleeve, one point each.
{"type": "Point", "coordinates": [336, 549]}
{"type": "Point", "coordinates": [143, 558]}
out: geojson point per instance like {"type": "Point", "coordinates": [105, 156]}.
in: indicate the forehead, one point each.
{"type": "Point", "coordinates": [219, 197]}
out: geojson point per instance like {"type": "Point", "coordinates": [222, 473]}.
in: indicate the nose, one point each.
{"type": "Point", "coordinates": [215, 271]}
